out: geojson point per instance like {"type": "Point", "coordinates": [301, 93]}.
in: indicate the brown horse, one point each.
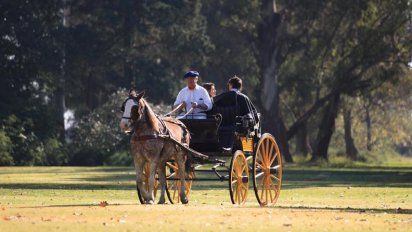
{"type": "Point", "coordinates": [149, 143]}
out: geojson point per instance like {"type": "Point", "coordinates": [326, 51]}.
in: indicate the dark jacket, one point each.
{"type": "Point", "coordinates": [246, 107]}
{"type": "Point", "coordinates": [231, 104]}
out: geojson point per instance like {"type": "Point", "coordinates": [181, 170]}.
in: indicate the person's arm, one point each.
{"type": "Point", "coordinates": [254, 111]}
{"type": "Point", "coordinates": [207, 102]}
{"type": "Point", "coordinates": [179, 101]}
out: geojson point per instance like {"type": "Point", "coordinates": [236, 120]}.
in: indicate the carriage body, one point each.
{"type": "Point", "coordinates": [237, 152]}
{"type": "Point", "coordinates": [207, 137]}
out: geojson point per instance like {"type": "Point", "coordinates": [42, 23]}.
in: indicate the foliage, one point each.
{"type": "Point", "coordinates": [97, 135]}
{"type": "Point", "coordinates": [97, 138]}
{"type": "Point", "coordinates": [5, 150]}
{"type": "Point", "coordinates": [356, 51]}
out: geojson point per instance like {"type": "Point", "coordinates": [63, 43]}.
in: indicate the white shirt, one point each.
{"type": "Point", "coordinates": [198, 94]}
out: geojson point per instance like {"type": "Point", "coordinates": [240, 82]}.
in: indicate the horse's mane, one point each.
{"type": "Point", "coordinates": [150, 116]}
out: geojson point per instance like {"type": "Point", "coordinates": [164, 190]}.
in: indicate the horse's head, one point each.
{"type": "Point", "coordinates": [137, 111]}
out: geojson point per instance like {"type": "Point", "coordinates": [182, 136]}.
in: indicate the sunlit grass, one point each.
{"type": "Point", "coordinates": [312, 198]}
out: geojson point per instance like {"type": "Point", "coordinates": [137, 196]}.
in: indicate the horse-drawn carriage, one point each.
{"type": "Point", "coordinates": [223, 137]}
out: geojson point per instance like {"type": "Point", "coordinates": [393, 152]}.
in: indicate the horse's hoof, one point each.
{"type": "Point", "coordinates": [161, 202]}
{"type": "Point", "coordinates": [151, 202]}
{"type": "Point", "coordinates": [185, 201]}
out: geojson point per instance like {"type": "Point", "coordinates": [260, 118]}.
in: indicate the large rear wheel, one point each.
{"type": "Point", "coordinates": [238, 178]}
{"type": "Point", "coordinates": [267, 170]}
{"type": "Point", "coordinates": [173, 182]}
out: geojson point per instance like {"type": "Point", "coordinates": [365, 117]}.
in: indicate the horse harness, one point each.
{"type": "Point", "coordinates": [165, 133]}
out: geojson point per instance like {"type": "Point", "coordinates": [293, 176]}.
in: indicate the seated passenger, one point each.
{"type": "Point", "coordinates": [232, 105]}
{"type": "Point", "coordinates": [246, 107]}
{"type": "Point", "coordinates": [210, 87]}
{"type": "Point", "coordinates": [193, 98]}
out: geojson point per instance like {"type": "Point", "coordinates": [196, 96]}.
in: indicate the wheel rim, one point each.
{"type": "Point", "coordinates": [267, 171]}
{"type": "Point", "coordinates": [238, 178]}
{"type": "Point", "coordinates": [173, 183]}
{"type": "Point", "coordinates": [146, 170]}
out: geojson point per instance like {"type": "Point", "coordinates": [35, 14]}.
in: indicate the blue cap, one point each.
{"type": "Point", "coordinates": [191, 74]}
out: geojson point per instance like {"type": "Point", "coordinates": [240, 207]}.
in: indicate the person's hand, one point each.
{"type": "Point", "coordinates": [183, 105]}
{"type": "Point", "coordinates": [194, 105]}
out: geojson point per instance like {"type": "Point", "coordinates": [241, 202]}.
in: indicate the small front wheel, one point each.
{"type": "Point", "coordinates": [238, 178]}
{"type": "Point", "coordinates": [173, 182]}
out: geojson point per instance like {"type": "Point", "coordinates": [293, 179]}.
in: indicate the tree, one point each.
{"type": "Point", "coordinates": [345, 42]}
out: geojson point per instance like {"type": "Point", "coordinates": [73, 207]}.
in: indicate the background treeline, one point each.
{"type": "Point", "coordinates": [331, 78]}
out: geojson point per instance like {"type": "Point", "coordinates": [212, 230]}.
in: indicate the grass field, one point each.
{"type": "Point", "coordinates": [312, 199]}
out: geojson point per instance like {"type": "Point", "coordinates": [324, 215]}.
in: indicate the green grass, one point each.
{"type": "Point", "coordinates": [312, 198]}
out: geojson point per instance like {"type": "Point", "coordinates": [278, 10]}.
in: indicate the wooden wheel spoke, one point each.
{"type": "Point", "coordinates": [244, 192]}
{"type": "Point", "coordinates": [261, 194]}
{"type": "Point", "coordinates": [273, 158]}
{"type": "Point", "coordinates": [262, 152]}
{"type": "Point", "coordinates": [274, 177]}
{"type": "Point", "coordinates": [259, 175]}
{"type": "Point", "coordinates": [244, 168]}
{"type": "Point", "coordinates": [271, 197]}
{"type": "Point", "coordinates": [267, 170]}
{"type": "Point", "coordinates": [174, 167]}
{"type": "Point", "coordinates": [237, 185]}
{"type": "Point", "coordinates": [236, 194]}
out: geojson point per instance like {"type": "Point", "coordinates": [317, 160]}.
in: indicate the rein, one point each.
{"type": "Point", "coordinates": [164, 134]}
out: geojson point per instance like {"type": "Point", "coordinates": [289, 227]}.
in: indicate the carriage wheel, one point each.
{"type": "Point", "coordinates": [145, 181]}
{"type": "Point", "coordinates": [267, 170]}
{"type": "Point", "coordinates": [238, 178]}
{"type": "Point", "coordinates": [173, 183]}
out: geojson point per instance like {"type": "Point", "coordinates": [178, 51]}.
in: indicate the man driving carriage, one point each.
{"type": "Point", "coordinates": [194, 98]}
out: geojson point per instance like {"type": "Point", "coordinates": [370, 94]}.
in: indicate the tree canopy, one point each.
{"type": "Point", "coordinates": [313, 68]}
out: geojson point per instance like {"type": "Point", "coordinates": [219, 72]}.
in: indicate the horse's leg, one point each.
{"type": "Point", "coordinates": [162, 180]}
{"type": "Point", "coordinates": [182, 176]}
{"type": "Point", "coordinates": [138, 166]}
{"type": "Point", "coordinates": [152, 180]}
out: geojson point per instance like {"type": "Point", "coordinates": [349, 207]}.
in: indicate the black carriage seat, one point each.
{"type": "Point", "coordinates": [203, 133]}
{"type": "Point", "coordinates": [226, 105]}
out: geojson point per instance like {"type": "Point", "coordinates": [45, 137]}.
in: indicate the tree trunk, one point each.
{"type": "Point", "coordinates": [59, 93]}
{"type": "Point", "coordinates": [60, 109]}
{"type": "Point", "coordinates": [351, 150]}
{"type": "Point", "coordinates": [268, 54]}
{"type": "Point", "coordinates": [326, 129]}
{"type": "Point", "coordinates": [368, 122]}
{"type": "Point", "coordinates": [311, 111]}
{"type": "Point", "coordinates": [302, 141]}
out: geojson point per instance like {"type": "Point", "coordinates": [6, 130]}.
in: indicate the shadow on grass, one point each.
{"type": "Point", "coordinates": [305, 178]}
{"type": "Point", "coordinates": [123, 179]}
{"type": "Point", "coordinates": [71, 205]}
{"type": "Point", "coordinates": [343, 209]}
